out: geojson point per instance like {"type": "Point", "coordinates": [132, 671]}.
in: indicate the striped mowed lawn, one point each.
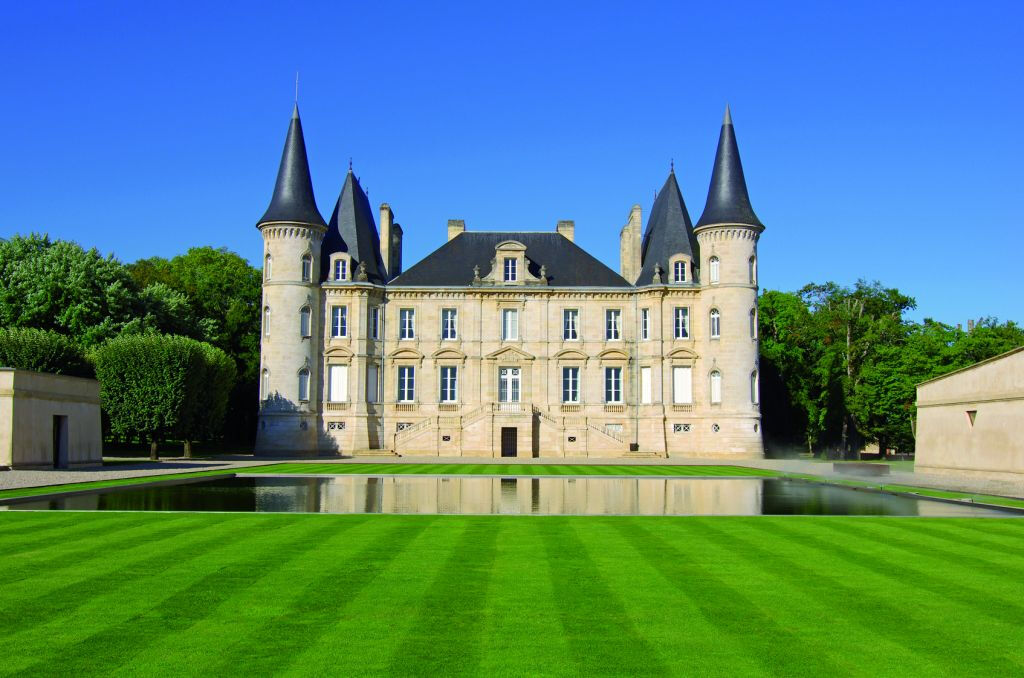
{"type": "Point", "coordinates": [251, 594]}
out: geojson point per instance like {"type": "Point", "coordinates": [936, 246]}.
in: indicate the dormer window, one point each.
{"type": "Point", "coordinates": [307, 268]}
{"type": "Point", "coordinates": [511, 269]}
{"type": "Point", "coordinates": [679, 272]}
{"type": "Point", "coordinates": [340, 269]}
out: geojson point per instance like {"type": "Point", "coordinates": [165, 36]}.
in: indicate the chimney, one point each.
{"type": "Point", "coordinates": [970, 325]}
{"type": "Point", "coordinates": [629, 245]}
{"type": "Point", "coordinates": [959, 327]}
{"type": "Point", "coordinates": [395, 264]}
{"type": "Point", "coordinates": [455, 226]}
{"type": "Point", "coordinates": [386, 218]}
{"type": "Point", "coordinates": [567, 228]}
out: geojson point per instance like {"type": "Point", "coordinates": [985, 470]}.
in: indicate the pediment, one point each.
{"type": "Point", "coordinates": [612, 354]}
{"type": "Point", "coordinates": [509, 353]}
{"type": "Point", "coordinates": [448, 354]}
{"type": "Point", "coordinates": [339, 352]}
{"type": "Point", "coordinates": [510, 246]}
{"type": "Point", "coordinates": [406, 353]}
{"type": "Point", "coordinates": [682, 354]}
{"type": "Point", "coordinates": [571, 354]}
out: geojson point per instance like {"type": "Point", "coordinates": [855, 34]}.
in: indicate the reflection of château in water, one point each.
{"type": "Point", "coordinates": [544, 496]}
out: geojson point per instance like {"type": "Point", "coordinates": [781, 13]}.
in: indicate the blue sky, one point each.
{"type": "Point", "coordinates": [880, 141]}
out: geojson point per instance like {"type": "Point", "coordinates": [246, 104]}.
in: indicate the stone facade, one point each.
{"type": "Point", "coordinates": [538, 350]}
{"type": "Point", "coordinates": [971, 422]}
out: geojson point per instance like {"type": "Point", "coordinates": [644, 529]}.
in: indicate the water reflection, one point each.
{"type": "Point", "coordinates": [524, 495]}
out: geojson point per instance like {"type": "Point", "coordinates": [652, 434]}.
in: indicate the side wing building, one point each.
{"type": "Point", "coordinates": [509, 343]}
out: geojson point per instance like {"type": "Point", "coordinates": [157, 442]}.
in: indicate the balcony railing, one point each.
{"type": "Point", "coordinates": [508, 408]}
{"type": "Point", "coordinates": [448, 407]}
{"type": "Point", "coordinates": [572, 408]}
{"type": "Point", "coordinates": [335, 406]}
{"type": "Point", "coordinates": [614, 408]}
{"type": "Point", "coordinates": [406, 407]}
{"type": "Point", "coordinates": [682, 407]}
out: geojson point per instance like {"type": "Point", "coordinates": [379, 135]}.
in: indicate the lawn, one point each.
{"type": "Point", "coordinates": [249, 594]}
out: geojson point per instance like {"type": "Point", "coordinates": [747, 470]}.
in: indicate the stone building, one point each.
{"type": "Point", "coordinates": [510, 343]}
{"type": "Point", "coordinates": [971, 422]}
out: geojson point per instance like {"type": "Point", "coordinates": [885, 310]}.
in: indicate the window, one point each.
{"type": "Point", "coordinates": [716, 387]}
{"type": "Point", "coordinates": [305, 318]}
{"type": "Point", "coordinates": [681, 322]}
{"type": "Point", "coordinates": [303, 384]}
{"type": "Point", "coordinates": [266, 383]}
{"type": "Point", "coordinates": [406, 323]}
{"type": "Point", "coordinates": [754, 390]}
{"type": "Point", "coordinates": [752, 265]}
{"type": "Point", "coordinates": [266, 321]}
{"type": "Point", "coordinates": [682, 385]}
{"type": "Point", "coordinates": [510, 269]}
{"type": "Point", "coordinates": [716, 324]}
{"type": "Point", "coordinates": [645, 385]}
{"type": "Point", "coordinates": [613, 384]}
{"type": "Point", "coordinates": [645, 324]}
{"type": "Point", "coordinates": [307, 268]}
{"type": "Point", "coordinates": [449, 323]}
{"type": "Point", "coordinates": [570, 324]}
{"type": "Point", "coordinates": [449, 384]}
{"type": "Point", "coordinates": [713, 266]}
{"type": "Point", "coordinates": [337, 376]}
{"type": "Point", "coordinates": [570, 384]}
{"type": "Point", "coordinates": [509, 324]}
{"type": "Point", "coordinates": [508, 384]}
{"type": "Point", "coordinates": [406, 384]}
{"type": "Point", "coordinates": [268, 265]}
{"type": "Point", "coordinates": [375, 322]}
{"type": "Point", "coordinates": [372, 383]}
{"type": "Point", "coordinates": [613, 324]}
{"type": "Point", "coordinates": [753, 323]}
{"type": "Point", "coordinates": [340, 269]}
{"type": "Point", "coordinates": [339, 321]}
{"type": "Point", "coordinates": [679, 272]}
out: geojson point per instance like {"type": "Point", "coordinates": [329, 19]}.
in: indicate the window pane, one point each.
{"type": "Point", "coordinates": [570, 324]}
{"type": "Point", "coordinates": [645, 385]}
{"type": "Point", "coordinates": [716, 387]}
{"type": "Point", "coordinates": [682, 385]}
{"type": "Point", "coordinates": [645, 321]}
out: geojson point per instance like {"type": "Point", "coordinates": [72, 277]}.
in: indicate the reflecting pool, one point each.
{"type": "Point", "coordinates": [520, 495]}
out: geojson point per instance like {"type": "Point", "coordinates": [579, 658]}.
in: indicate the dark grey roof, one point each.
{"type": "Point", "coordinates": [293, 194]}
{"type": "Point", "coordinates": [353, 230]}
{"type": "Point", "coordinates": [451, 265]}
{"type": "Point", "coordinates": [728, 202]}
{"type": "Point", "coordinates": [669, 232]}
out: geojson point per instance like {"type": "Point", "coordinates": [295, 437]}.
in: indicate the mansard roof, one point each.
{"type": "Point", "coordinates": [669, 232]}
{"type": "Point", "coordinates": [566, 264]}
{"type": "Point", "coordinates": [353, 230]}
{"type": "Point", "coordinates": [728, 202]}
{"type": "Point", "coordinates": [293, 193]}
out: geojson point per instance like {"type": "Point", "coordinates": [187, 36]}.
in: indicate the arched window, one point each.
{"type": "Point", "coordinates": [266, 321]}
{"type": "Point", "coordinates": [305, 315]}
{"type": "Point", "coordinates": [307, 267]}
{"type": "Point", "coordinates": [716, 387]}
{"type": "Point", "coordinates": [303, 384]}
{"type": "Point", "coordinates": [753, 270]}
{"type": "Point", "coordinates": [716, 324]}
{"type": "Point", "coordinates": [679, 272]}
{"type": "Point", "coordinates": [265, 384]}
{"type": "Point", "coordinates": [268, 265]}
{"type": "Point", "coordinates": [753, 323]}
{"type": "Point", "coordinates": [713, 268]}
{"type": "Point", "coordinates": [754, 387]}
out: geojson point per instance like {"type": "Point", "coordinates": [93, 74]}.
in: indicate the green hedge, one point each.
{"type": "Point", "coordinates": [25, 348]}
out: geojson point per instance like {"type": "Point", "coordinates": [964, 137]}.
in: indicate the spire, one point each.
{"type": "Point", "coordinates": [353, 230]}
{"type": "Point", "coordinates": [669, 232]}
{"type": "Point", "coordinates": [728, 202]}
{"type": "Point", "coordinates": [293, 194]}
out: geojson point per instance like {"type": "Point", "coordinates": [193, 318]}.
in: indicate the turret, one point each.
{"type": "Point", "coordinates": [668, 240]}
{"type": "Point", "coordinates": [728, 232]}
{"type": "Point", "coordinates": [292, 230]}
{"type": "Point", "coordinates": [352, 232]}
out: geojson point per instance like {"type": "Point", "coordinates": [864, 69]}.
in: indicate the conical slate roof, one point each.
{"type": "Point", "coordinates": [669, 232]}
{"type": "Point", "coordinates": [728, 202]}
{"type": "Point", "coordinates": [293, 194]}
{"type": "Point", "coordinates": [353, 230]}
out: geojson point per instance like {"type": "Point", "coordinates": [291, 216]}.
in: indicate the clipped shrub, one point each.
{"type": "Point", "coordinates": [25, 348]}
{"type": "Point", "coordinates": [219, 381]}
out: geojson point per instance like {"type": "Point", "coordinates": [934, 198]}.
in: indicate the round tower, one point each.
{"type": "Point", "coordinates": [292, 230]}
{"type": "Point", "coordinates": [727, 233]}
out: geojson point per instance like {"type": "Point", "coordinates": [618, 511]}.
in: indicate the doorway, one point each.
{"type": "Point", "coordinates": [60, 441]}
{"type": "Point", "coordinates": [509, 441]}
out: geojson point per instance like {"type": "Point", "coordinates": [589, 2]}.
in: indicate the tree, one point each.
{"type": "Point", "coordinates": [26, 348]}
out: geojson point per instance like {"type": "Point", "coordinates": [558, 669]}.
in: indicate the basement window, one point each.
{"type": "Point", "coordinates": [971, 414]}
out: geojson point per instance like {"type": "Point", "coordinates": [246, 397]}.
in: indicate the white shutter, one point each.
{"type": "Point", "coordinates": [682, 385]}
{"type": "Point", "coordinates": [339, 383]}
{"type": "Point", "coordinates": [371, 383]}
{"type": "Point", "coordinates": [645, 385]}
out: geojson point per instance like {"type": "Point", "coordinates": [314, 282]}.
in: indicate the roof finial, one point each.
{"type": "Point", "coordinates": [350, 165]}
{"type": "Point", "coordinates": [296, 88]}
{"type": "Point", "coordinates": [672, 166]}
{"type": "Point", "coordinates": [727, 120]}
